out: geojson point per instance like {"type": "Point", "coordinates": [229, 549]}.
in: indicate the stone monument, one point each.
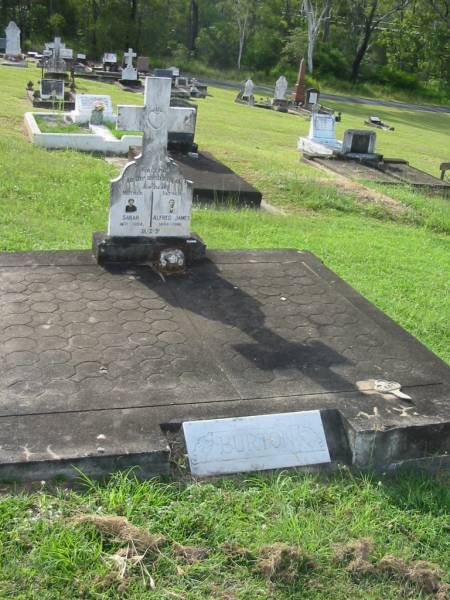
{"type": "Point", "coordinates": [181, 120]}
{"type": "Point", "coordinates": [298, 94]}
{"type": "Point", "coordinates": [55, 66]}
{"type": "Point", "coordinates": [360, 144]}
{"type": "Point", "coordinates": [13, 41]}
{"type": "Point", "coordinates": [129, 73]}
{"type": "Point", "coordinates": [247, 96]}
{"type": "Point", "coordinates": [151, 202]}
{"type": "Point", "coordinates": [279, 101]}
{"type": "Point", "coordinates": [321, 140]}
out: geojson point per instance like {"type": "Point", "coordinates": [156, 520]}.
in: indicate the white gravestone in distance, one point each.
{"type": "Point", "coordinates": [321, 140]}
{"type": "Point", "coordinates": [181, 120]}
{"type": "Point", "coordinates": [281, 87]}
{"type": "Point", "coordinates": [129, 73]}
{"type": "Point", "coordinates": [109, 57]}
{"type": "Point", "coordinates": [12, 40]}
{"type": "Point", "coordinates": [221, 446]}
{"type": "Point", "coordinates": [248, 89]}
{"type": "Point", "coordinates": [151, 198]}
{"type": "Point", "coordinates": [85, 104]}
{"type": "Point", "coordinates": [66, 53]}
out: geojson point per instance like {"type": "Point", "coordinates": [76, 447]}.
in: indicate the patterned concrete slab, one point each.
{"type": "Point", "coordinates": [96, 363]}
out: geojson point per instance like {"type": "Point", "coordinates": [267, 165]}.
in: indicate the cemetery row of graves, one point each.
{"type": "Point", "coordinates": [196, 284]}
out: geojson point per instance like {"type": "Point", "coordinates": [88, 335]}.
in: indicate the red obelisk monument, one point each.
{"type": "Point", "coordinates": [299, 89]}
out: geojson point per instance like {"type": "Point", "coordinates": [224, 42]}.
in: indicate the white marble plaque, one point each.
{"type": "Point", "coordinates": [151, 198]}
{"type": "Point", "coordinates": [221, 446]}
{"type": "Point", "coordinates": [110, 57]}
{"type": "Point", "coordinates": [85, 103]}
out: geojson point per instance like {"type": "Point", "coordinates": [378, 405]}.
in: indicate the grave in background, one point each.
{"type": "Point", "coordinates": [129, 77]}
{"type": "Point", "coordinates": [56, 87]}
{"type": "Point", "coordinates": [356, 157]}
{"type": "Point", "coordinates": [13, 52]}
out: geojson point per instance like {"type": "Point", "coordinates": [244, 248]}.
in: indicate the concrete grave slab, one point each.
{"type": "Point", "coordinates": [97, 362]}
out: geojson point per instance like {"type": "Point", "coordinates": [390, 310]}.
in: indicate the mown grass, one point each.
{"type": "Point", "coordinates": [45, 555]}
{"type": "Point", "coordinates": [54, 200]}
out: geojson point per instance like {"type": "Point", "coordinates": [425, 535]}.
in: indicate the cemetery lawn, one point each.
{"type": "Point", "coordinates": [400, 260]}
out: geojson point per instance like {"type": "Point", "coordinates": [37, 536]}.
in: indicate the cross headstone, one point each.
{"type": "Point", "coordinates": [12, 40]}
{"type": "Point", "coordinates": [55, 63]}
{"type": "Point", "coordinates": [180, 121]}
{"type": "Point", "coordinates": [129, 73]}
{"type": "Point", "coordinates": [151, 198]}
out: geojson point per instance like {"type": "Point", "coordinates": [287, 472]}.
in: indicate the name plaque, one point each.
{"type": "Point", "coordinates": [221, 446]}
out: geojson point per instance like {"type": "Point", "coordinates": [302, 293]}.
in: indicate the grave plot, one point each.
{"type": "Point", "coordinates": [13, 52]}
{"type": "Point", "coordinates": [98, 362]}
{"type": "Point", "coordinates": [56, 89]}
{"type": "Point", "coordinates": [120, 135]}
{"type": "Point", "coordinates": [102, 353]}
{"type": "Point", "coordinates": [355, 157]}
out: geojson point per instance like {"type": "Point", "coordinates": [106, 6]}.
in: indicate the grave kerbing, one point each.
{"type": "Point", "coordinates": [151, 202]}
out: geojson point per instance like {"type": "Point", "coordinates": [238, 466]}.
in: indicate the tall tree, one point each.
{"type": "Point", "coordinates": [193, 25]}
{"type": "Point", "coordinates": [241, 10]}
{"type": "Point", "coordinates": [370, 14]}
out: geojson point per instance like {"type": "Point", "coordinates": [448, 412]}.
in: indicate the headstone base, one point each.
{"type": "Point", "coordinates": [280, 105]}
{"type": "Point", "coordinates": [140, 250]}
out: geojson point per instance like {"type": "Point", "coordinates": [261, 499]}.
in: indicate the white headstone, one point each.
{"type": "Point", "coordinates": [322, 127]}
{"type": "Point", "coordinates": [85, 104]}
{"type": "Point", "coordinates": [281, 88]}
{"type": "Point", "coordinates": [12, 40]}
{"type": "Point", "coordinates": [110, 57]}
{"type": "Point", "coordinates": [220, 446]}
{"type": "Point", "coordinates": [248, 88]}
{"type": "Point", "coordinates": [151, 198]}
{"type": "Point", "coordinates": [180, 119]}
{"type": "Point", "coordinates": [129, 73]}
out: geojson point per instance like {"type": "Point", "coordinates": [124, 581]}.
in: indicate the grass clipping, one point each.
{"type": "Point", "coordinates": [120, 530]}
{"type": "Point", "coordinates": [422, 574]}
{"type": "Point", "coordinates": [281, 562]}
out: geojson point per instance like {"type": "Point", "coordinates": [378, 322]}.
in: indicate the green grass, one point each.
{"type": "Point", "coordinates": [55, 200]}
{"type": "Point", "coordinates": [119, 133]}
{"type": "Point", "coordinates": [45, 556]}
{"type": "Point", "coordinates": [59, 126]}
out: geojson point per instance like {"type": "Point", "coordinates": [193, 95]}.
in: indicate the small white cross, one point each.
{"type": "Point", "coordinates": [129, 57]}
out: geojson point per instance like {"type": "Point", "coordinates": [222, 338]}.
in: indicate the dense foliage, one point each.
{"type": "Point", "coordinates": [401, 43]}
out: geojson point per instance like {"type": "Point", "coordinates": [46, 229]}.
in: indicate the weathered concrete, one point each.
{"type": "Point", "coordinates": [96, 362]}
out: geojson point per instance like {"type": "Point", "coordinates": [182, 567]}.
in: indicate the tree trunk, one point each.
{"type": "Point", "coordinates": [94, 26]}
{"type": "Point", "coordinates": [326, 25]}
{"type": "Point", "coordinates": [364, 43]}
{"type": "Point", "coordinates": [193, 25]}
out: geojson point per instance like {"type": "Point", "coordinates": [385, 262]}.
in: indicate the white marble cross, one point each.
{"type": "Point", "coordinates": [151, 198]}
{"type": "Point", "coordinates": [129, 57]}
{"type": "Point", "coordinates": [180, 119]}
